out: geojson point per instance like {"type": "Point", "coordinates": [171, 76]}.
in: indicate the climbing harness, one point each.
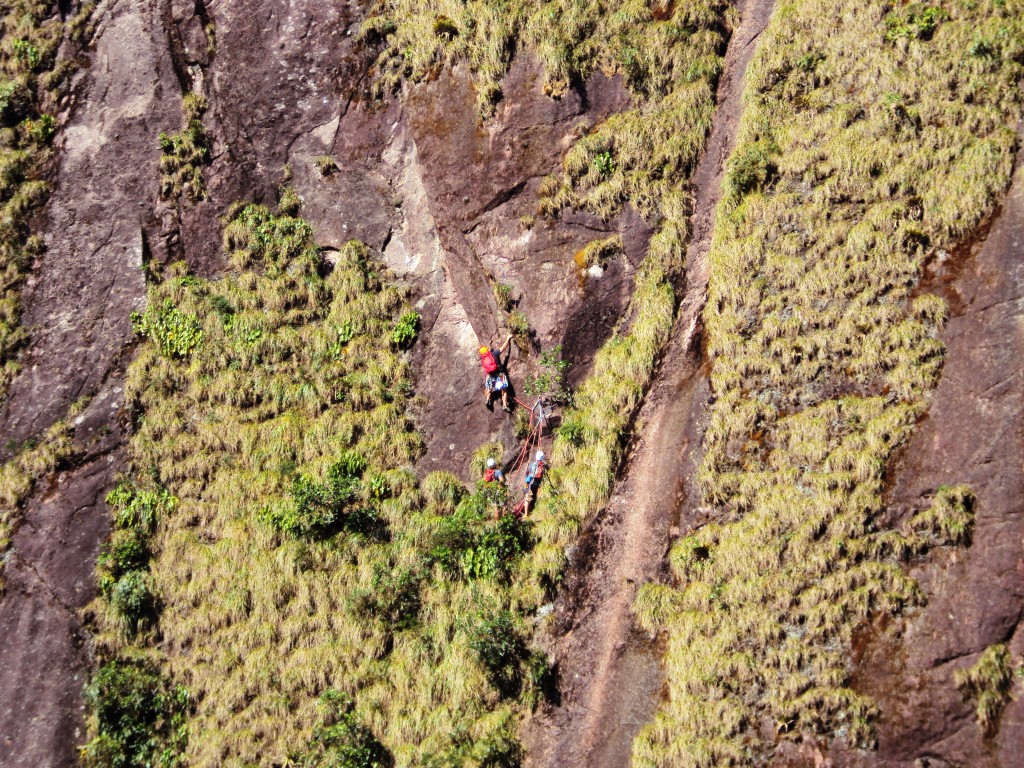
{"type": "Point", "coordinates": [496, 382]}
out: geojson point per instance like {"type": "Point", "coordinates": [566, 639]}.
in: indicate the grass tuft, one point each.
{"type": "Point", "coordinates": [988, 683]}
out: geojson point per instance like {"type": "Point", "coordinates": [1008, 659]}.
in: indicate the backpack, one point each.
{"type": "Point", "coordinates": [489, 476]}
{"type": "Point", "coordinates": [535, 472]}
{"type": "Point", "coordinates": [489, 363]}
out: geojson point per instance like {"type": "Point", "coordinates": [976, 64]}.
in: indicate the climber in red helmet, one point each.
{"type": "Point", "coordinates": [496, 374]}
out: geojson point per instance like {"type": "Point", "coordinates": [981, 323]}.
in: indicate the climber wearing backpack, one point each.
{"type": "Point", "coordinates": [534, 474]}
{"type": "Point", "coordinates": [493, 473]}
{"type": "Point", "coordinates": [496, 374]}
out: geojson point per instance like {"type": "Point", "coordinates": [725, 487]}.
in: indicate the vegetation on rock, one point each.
{"type": "Point", "coordinates": [988, 683]}
{"type": "Point", "coordinates": [277, 556]}
{"type": "Point", "coordinates": [31, 77]}
{"type": "Point", "coordinates": [185, 153]}
{"type": "Point", "coordinates": [19, 475]}
{"type": "Point", "coordinates": [860, 152]}
{"type": "Point", "coordinates": [641, 157]}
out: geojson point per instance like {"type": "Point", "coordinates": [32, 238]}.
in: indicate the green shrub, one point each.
{"type": "Point", "coordinates": [573, 430]}
{"type": "Point", "coordinates": [140, 717]}
{"type": "Point", "coordinates": [394, 597]}
{"type": "Point", "coordinates": [914, 21]}
{"type": "Point", "coordinates": [750, 169]}
{"type": "Point", "coordinates": [132, 600]}
{"type": "Point", "coordinates": [503, 296]}
{"type": "Point", "coordinates": [499, 544]}
{"type": "Point", "coordinates": [28, 54]}
{"type": "Point", "coordinates": [604, 163]}
{"type": "Point", "coordinates": [175, 333]}
{"type": "Point", "coordinates": [550, 382]}
{"type": "Point", "coordinates": [500, 650]}
{"type": "Point", "coordinates": [317, 509]}
{"type": "Point", "coordinates": [127, 550]}
{"type": "Point", "coordinates": [342, 740]}
{"type": "Point", "coordinates": [41, 129]}
{"type": "Point", "coordinates": [15, 102]}
{"type": "Point", "coordinates": [136, 508]}
{"type": "Point", "coordinates": [404, 333]}
{"type": "Point", "coordinates": [519, 324]}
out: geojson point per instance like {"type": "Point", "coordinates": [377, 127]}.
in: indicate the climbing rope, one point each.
{"type": "Point", "coordinates": [534, 434]}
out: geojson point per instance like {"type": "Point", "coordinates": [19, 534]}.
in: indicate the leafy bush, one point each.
{"type": "Point", "coordinates": [604, 163]}
{"type": "Point", "coordinates": [500, 543]}
{"type": "Point", "coordinates": [503, 296]}
{"type": "Point", "coordinates": [550, 382]}
{"type": "Point", "coordinates": [41, 129]}
{"type": "Point", "coordinates": [127, 550]}
{"type": "Point", "coordinates": [28, 54]}
{"type": "Point", "coordinates": [500, 650]}
{"type": "Point", "coordinates": [15, 101]}
{"type": "Point", "coordinates": [750, 169]}
{"type": "Point", "coordinates": [404, 333]}
{"type": "Point", "coordinates": [132, 600]}
{"type": "Point", "coordinates": [135, 507]}
{"type": "Point", "coordinates": [342, 740]}
{"type": "Point", "coordinates": [140, 717]}
{"type": "Point", "coordinates": [519, 324]}
{"type": "Point", "coordinates": [394, 597]}
{"type": "Point", "coordinates": [175, 333]}
{"type": "Point", "coordinates": [317, 509]}
{"type": "Point", "coordinates": [914, 21]}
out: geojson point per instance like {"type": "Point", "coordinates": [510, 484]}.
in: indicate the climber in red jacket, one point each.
{"type": "Point", "coordinates": [496, 374]}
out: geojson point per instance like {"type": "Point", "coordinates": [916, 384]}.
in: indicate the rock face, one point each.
{"type": "Point", "coordinates": [610, 674]}
{"type": "Point", "coordinates": [975, 596]}
{"type": "Point", "coordinates": [438, 195]}
{"type": "Point", "coordinates": [77, 301]}
{"type": "Point", "coordinates": [447, 201]}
